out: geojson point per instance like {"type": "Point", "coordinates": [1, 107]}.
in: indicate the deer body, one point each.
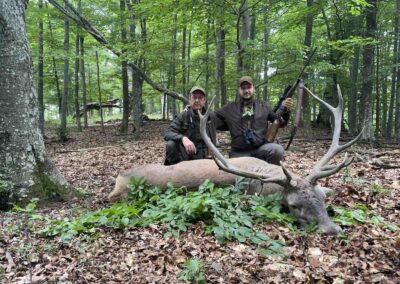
{"type": "Point", "coordinates": [192, 173]}
{"type": "Point", "coordinates": [306, 203]}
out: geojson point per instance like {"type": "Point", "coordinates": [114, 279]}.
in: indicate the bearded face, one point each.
{"type": "Point", "coordinates": [246, 91]}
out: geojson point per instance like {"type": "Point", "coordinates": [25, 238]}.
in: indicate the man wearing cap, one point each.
{"type": "Point", "coordinates": [183, 137]}
{"type": "Point", "coordinates": [247, 121]}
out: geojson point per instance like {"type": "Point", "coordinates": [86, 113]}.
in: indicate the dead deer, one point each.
{"type": "Point", "coordinates": [303, 196]}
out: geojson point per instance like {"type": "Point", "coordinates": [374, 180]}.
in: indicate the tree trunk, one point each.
{"type": "Point", "coordinates": [377, 95]}
{"type": "Point", "coordinates": [207, 57]}
{"type": "Point", "coordinates": [189, 46]}
{"type": "Point", "coordinates": [40, 71]}
{"type": "Point", "coordinates": [136, 79]}
{"type": "Point", "coordinates": [99, 92]}
{"type": "Point", "coordinates": [64, 100]}
{"type": "Point", "coordinates": [151, 105]}
{"type": "Point", "coordinates": [397, 112]}
{"type": "Point", "coordinates": [324, 115]}
{"type": "Point", "coordinates": [172, 68]}
{"type": "Point", "coordinates": [59, 96]}
{"type": "Point", "coordinates": [76, 83]}
{"type": "Point", "coordinates": [24, 165]}
{"type": "Point", "coordinates": [384, 104]}
{"type": "Point", "coordinates": [83, 75]}
{"type": "Point", "coordinates": [220, 85]}
{"type": "Point", "coordinates": [125, 81]}
{"type": "Point", "coordinates": [242, 66]}
{"type": "Point", "coordinates": [352, 105]}
{"type": "Point", "coordinates": [265, 59]}
{"type": "Point", "coordinates": [183, 58]}
{"type": "Point", "coordinates": [306, 113]}
{"type": "Point", "coordinates": [396, 53]}
{"type": "Point", "coordinates": [368, 61]}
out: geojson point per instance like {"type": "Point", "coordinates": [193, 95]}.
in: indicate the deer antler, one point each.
{"type": "Point", "coordinates": [321, 169]}
{"type": "Point", "coordinates": [225, 165]}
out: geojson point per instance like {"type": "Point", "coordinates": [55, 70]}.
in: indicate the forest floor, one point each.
{"type": "Point", "coordinates": [91, 160]}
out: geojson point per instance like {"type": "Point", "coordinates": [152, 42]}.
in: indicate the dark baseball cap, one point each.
{"type": "Point", "coordinates": [247, 79]}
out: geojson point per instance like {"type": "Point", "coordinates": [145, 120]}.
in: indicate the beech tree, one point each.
{"type": "Point", "coordinates": [25, 168]}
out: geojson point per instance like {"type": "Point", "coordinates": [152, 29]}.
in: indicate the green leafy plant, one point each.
{"type": "Point", "coordinates": [193, 271]}
{"type": "Point", "coordinates": [118, 216]}
{"type": "Point", "coordinates": [360, 215]}
{"type": "Point", "coordinates": [348, 178]}
{"type": "Point", "coordinates": [378, 190]}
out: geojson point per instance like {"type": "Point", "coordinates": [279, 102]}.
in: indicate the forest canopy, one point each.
{"type": "Point", "coordinates": [178, 44]}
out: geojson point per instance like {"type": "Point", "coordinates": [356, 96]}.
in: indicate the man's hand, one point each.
{"type": "Point", "coordinates": [189, 146]}
{"type": "Point", "coordinates": [287, 103]}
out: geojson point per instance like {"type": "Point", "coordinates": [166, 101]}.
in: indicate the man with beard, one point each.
{"type": "Point", "coordinates": [183, 137]}
{"type": "Point", "coordinates": [247, 121]}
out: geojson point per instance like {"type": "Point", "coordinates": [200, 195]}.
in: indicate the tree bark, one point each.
{"type": "Point", "coordinates": [183, 58]}
{"type": "Point", "coordinates": [207, 57]}
{"type": "Point", "coordinates": [306, 113]}
{"type": "Point", "coordinates": [384, 104]}
{"type": "Point", "coordinates": [390, 118]}
{"type": "Point", "coordinates": [56, 78]}
{"type": "Point", "coordinates": [265, 59]}
{"type": "Point", "coordinates": [352, 110]}
{"type": "Point", "coordinates": [76, 83]}
{"type": "Point", "coordinates": [83, 75]}
{"type": "Point", "coordinates": [368, 61]}
{"type": "Point", "coordinates": [124, 73]}
{"type": "Point", "coordinates": [242, 36]}
{"type": "Point", "coordinates": [24, 164]}
{"type": "Point", "coordinates": [397, 112]}
{"type": "Point", "coordinates": [64, 100]}
{"type": "Point", "coordinates": [220, 85]}
{"type": "Point", "coordinates": [40, 71]}
{"type": "Point", "coordinates": [99, 92]}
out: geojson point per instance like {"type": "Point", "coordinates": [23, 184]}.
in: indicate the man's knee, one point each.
{"type": "Point", "coordinates": [271, 152]}
{"type": "Point", "coordinates": [172, 155]}
{"type": "Point", "coordinates": [171, 146]}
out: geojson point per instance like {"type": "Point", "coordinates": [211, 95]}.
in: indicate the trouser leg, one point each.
{"type": "Point", "coordinates": [271, 153]}
{"type": "Point", "coordinates": [175, 153]}
{"type": "Point", "coordinates": [238, 154]}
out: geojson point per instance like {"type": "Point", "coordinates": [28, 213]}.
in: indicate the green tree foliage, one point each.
{"type": "Point", "coordinates": [335, 34]}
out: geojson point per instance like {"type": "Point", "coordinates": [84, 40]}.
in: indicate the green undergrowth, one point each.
{"type": "Point", "coordinates": [360, 214]}
{"type": "Point", "coordinates": [226, 213]}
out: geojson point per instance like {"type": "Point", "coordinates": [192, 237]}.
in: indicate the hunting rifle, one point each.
{"type": "Point", "coordinates": [279, 109]}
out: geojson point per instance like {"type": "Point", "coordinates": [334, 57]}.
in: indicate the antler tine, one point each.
{"type": "Point", "coordinates": [222, 162]}
{"type": "Point", "coordinates": [321, 170]}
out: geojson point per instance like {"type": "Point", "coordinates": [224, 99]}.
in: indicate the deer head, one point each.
{"type": "Point", "coordinates": [303, 196]}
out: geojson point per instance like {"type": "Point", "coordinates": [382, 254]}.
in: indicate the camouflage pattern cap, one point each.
{"type": "Point", "coordinates": [247, 79]}
{"type": "Point", "coordinates": [197, 88]}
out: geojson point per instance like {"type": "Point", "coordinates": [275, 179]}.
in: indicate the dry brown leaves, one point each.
{"type": "Point", "coordinates": [370, 254]}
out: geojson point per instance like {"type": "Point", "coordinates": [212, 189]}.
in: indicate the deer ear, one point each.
{"type": "Point", "coordinates": [325, 191]}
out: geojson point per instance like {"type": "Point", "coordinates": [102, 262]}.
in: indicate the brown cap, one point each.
{"type": "Point", "coordinates": [247, 79]}
{"type": "Point", "coordinates": [197, 88]}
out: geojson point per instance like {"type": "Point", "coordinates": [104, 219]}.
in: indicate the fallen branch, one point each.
{"type": "Point", "coordinates": [10, 260]}
{"type": "Point", "coordinates": [385, 165]}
